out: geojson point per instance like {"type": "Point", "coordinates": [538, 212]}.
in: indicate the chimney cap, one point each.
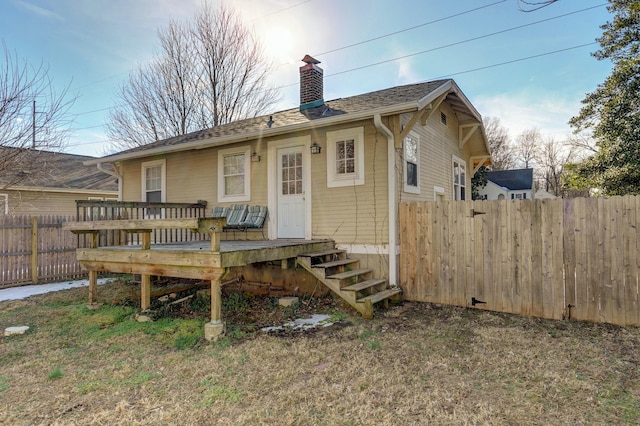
{"type": "Point", "coordinates": [310, 60]}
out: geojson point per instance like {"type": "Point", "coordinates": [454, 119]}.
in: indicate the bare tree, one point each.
{"type": "Point", "coordinates": [502, 153]}
{"type": "Point", "coordinates": [527, 147]}
{"type": "Point", "coordinates": [33, 117]}
{"type": "Point", "coordinates": [551, 159]}
{"type": "Point", "coordinates": [210, 71]}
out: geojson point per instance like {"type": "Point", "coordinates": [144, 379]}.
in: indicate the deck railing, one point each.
{"type": "Point", "coordinates": [93, 210]}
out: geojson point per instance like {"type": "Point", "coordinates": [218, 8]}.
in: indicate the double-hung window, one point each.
{"type": "Point", "coordinates": [234, 174]}
{"type": "Point", "coordinates": [154, 184]}
{"type": "Point", "coordinates": [345, 157]}
{"type": "Point", "coordinates": [412, 163]}
{"type": "Point", "coordinates": [459, 179]}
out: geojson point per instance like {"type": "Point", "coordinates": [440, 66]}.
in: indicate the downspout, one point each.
{"type": "Point", "coordinates": [113, 173]}
{"type": "Point", "coordinates": [393, 211]}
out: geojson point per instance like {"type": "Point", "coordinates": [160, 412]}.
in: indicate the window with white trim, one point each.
{"type": "Point", "coordinates": [412, 163]}
{"type": "Point", "coordinates": [4, 204]}
{"type": "Point", "coordinates": [154, 183]}
{"type": "Point", "coordinates": [345, 157]}
{"type": "Point", "coordinates": [459, 179]}
{"type": "Point", "coordinates": [234, 174]}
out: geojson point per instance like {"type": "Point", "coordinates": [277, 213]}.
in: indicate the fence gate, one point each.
{"type": "Point", "coordinates": [558, 258]}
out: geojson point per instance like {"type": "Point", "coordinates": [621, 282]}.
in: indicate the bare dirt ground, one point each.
{"type": "Point", "coordinates": [413, 364]}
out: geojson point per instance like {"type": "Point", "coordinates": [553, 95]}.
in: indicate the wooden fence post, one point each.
{"type": "Point", "coordinates": [34, 249]}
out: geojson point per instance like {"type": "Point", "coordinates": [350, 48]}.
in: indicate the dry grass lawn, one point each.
{"type": "Point", "coordinates": [414, 364]}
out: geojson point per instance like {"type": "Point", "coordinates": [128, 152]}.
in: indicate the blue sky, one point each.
{"type": "Point", "coordinates": [482, 44]}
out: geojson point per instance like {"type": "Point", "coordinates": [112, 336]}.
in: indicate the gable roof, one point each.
{"type": "Point", "coordinates": [54, 170]}
{"type": "Point", "coordinates": [385, 102]}
{"type": "Point", "coordinates": [514, 180]}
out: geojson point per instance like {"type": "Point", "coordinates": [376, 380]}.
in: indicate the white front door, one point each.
{"type": "Point", "coordinates": [291, 194]}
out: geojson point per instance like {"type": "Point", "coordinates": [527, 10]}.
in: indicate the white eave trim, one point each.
{"type": "Point", "coordinates": [61, 190]}
{"type": "Point", "coordinates": [262, 133]}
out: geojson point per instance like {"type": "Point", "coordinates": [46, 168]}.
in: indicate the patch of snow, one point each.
{"type": "Point", "coordinates": [316, 320]}
{"type": "Point", "coordinates": [23, 292]}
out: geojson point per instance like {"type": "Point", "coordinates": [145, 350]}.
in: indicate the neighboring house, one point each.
{"type": "Point", "coordinates": [326, 170]}
{"type": "Point", "coordinates": [50, 182]}
{"type": "Point", "coordinates": [542, 194]}
{"type": "Point", "coordinates": [508, 184]}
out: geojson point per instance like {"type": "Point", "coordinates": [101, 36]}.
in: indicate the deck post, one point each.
{"type": "Point", "coordinates": [215, 329]}
{"type": "Point", "coordinates": [93, 275]}
{"type": "Point", "coordinates": [145, 292]}
{"type": "Point", "coordinates": [145, 284]}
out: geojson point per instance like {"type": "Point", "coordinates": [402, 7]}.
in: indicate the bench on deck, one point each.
{"type": "Point", "coordinates": [241, 217]}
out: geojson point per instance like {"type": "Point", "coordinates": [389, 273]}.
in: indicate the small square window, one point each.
{"type": "Point", "coordinates": [345, 157]}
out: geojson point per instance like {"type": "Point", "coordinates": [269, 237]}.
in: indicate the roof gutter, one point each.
{"type": "Point", "coordinates": [261, 133]}
{"type": "Point", "coordinates": [393, 209]}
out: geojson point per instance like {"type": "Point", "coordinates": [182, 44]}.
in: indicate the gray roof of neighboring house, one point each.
{"type": "Point", "coordinates": [45, 169]}
{"type": "Point", "coordinates": [350, 106]}
{"type": "Point", "coordinates": [513, 180]}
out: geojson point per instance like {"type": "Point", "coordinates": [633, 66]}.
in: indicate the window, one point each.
{"type": "Point", "coordinates": [234, 166]}
{"type": "Point", "coordinates": [522, 196]}
{"type": "Point", "coordinates": [4, 204]}
{"type": "Point", "coordinates": [345, 157]}
{"type": "Point", "coordinates": [412, 164]}
{"type": "Point", "coordinates": [459, 179]}
{"type": "Point", "coordinates": [443, 118]}
{"type": "Point", "coordinates": [154, 183]}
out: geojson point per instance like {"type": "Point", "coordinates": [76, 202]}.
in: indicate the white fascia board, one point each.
{"type": "Point", "coordinates": [62, 190]}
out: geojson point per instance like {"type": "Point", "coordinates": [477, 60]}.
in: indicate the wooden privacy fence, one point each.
{"type": "Point", "coordinates": [35, 249]}
{"type": "Point", "coordinates": [562, 258]}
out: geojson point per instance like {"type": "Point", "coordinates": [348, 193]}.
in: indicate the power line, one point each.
{"type": "Point", "coordinates": [416, 53]}
{"type": "Point", "coordinates": [409, 28]}
{"type": "Point", "coordinates": [517, 60]}
{"type": "Point", "coordinates": [452, 44]}
{"type": "Point", "coordinates": [443, 76]}
{"type": "Point", "coordinates": [534, 5]}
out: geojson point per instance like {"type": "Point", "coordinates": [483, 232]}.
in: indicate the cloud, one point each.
{"type": "Point", "coordinates": [40, 11]}
{"type": "Point", "coordinates": [519, 111]}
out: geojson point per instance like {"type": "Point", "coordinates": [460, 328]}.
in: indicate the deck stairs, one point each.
{"type": "Point", "coordinates": [346, 279]}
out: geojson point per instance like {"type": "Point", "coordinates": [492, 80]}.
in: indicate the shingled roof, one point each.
{"type": "Point", "coordinates": [514, 180]}
{"type": "Point", "coordinates": [54, 170]}
{"type": "Point", "coordinates": [347, 107]}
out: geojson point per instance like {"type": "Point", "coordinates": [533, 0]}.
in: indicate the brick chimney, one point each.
{"type": "Point", "coordinates": [311, 86]}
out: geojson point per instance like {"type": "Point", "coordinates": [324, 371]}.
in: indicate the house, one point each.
{"type": "Point", "coordinates": [37, 182]}
{"type": "Point", "coordinates": [542, 194]}
{"type": "Point", "coordinates": [326, 169]}
{"type": "Point", "coordinates": [508, 184]}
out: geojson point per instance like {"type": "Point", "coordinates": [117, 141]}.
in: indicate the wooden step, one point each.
{"type": "Point", "coordinates": [385, 294]}
{"type": "Point", "coordinates": [364, 285]}
{"type": "Point", "coordinates": [349, 274]}
{"type": "Point", "coordinates": [323, 253]}
{"type": "Point", "coordinates": [333, 264]}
